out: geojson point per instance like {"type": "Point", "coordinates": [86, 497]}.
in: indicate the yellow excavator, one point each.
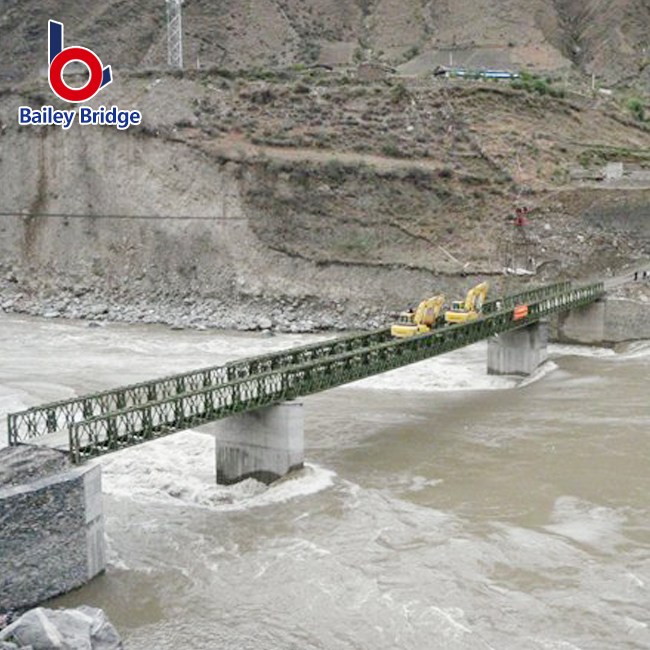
{"type": "Point", "coordinates": [468, 310]}
{"type": "Point", "coordinates": [420, 321]}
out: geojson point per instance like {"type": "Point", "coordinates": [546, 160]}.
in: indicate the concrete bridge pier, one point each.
{"type": "Point", "coordinates": [520, 351]}
{"type": "Point", "coordinates": [264, 444]}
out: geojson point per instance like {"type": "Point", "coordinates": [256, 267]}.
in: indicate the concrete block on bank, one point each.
{"type": "Point", "coordinates": [609, 321]}
{"type": "Point", "coordinates": [51, 526]}
{"type": "Point", "coordinates": [583, 325]}
{"type": "Point", "coordinates": [264, 445]}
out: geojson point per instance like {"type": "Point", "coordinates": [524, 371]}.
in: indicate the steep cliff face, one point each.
{"type": "Point", "coordinates": [608, 39]}
{"type": "Point", "coordinates": [240, 201]}
{"type": "Point", "coordinates": [252, 235]}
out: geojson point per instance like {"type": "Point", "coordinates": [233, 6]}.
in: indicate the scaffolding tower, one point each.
{"type": "Point", "coordinates": [174, 34]}
{"type": "Point", "coordinates": [519, 247]}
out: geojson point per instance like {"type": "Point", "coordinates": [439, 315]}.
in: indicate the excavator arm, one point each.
{"type": "Point", "coordinates": [428, 311]}
{"type": "Point", "coordinates": [476, 296]}
{"type": "Point", "coordinates": [470, 310]}
{"type": "Point", "coordinates": [421, 321]}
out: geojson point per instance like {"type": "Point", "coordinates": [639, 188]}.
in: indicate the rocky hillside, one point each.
{"type": "Point", "coordinates": [606, 38]}
{"type": "Point", "coordinates": [305, 200]}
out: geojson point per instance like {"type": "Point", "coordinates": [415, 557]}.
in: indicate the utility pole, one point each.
{"type": "Point", "coordinates": [174, 34]}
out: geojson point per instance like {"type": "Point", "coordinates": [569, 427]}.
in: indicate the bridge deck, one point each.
{"type": "Point", "coordinates": [104, 422]}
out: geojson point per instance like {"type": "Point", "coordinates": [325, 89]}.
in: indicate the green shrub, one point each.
{"type": "Point", "coordinates": [637, 108]}
{"type": "Point", "coordinates": [392, 151]}
{"type": "Point", "coordinates": [540, 86]}
{"type": "Point", "coordinates": [533, 84]}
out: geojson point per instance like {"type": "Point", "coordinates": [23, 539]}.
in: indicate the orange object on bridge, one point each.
{"type": "Point", "coordinates": [521, 312]}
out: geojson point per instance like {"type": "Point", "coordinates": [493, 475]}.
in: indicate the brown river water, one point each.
{"type": "Point", "coordinates": [440, 508]}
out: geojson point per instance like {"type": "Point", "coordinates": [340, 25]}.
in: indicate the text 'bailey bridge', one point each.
{"type": "Point", "coordinates": [265, 442]}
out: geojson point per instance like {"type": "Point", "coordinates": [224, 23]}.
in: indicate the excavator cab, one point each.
{"type": "Point", "coordinates": [470, 309]}
{"type": "Point", "coordinates": [420, 321]}
{"type": "Point", "coordinates": [406, 318]}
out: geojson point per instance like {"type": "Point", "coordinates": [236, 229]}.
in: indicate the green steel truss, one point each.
{"type": "Point", "coordinates": [101, 423]}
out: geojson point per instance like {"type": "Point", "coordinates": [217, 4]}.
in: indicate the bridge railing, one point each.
{"type": "Point", "coordinates": [57, 416]}
{"type": "Point", "coordinates": [131, 426]}
{"type": "Point", "coordinates": [524, 297]}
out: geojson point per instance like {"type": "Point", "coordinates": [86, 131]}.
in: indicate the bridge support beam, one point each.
{"type": "Point", "coordinates": [264, 444]}
{"type": "Point", "coordinates": [520, 351]}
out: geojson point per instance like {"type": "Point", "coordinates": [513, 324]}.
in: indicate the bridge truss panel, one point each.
{"type": "Point", "coordinates": [49, 419]}
{"type": "Point", "coordinates": [123, 428]}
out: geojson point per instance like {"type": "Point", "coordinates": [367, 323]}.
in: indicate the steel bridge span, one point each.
{"type": "Point", "coordinates": [97, 424]}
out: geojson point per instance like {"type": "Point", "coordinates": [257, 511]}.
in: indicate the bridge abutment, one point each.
{"type": "Point", "coordinates": [51, 525]}
{"type": "Point", "coordinates": [605, 322]}
{"type": "Point", "coordinates": [518, 352]}
{"type": "Point", "coordinates": [583, 325]}
{"type": "Point", "coordinates": [264, 444]}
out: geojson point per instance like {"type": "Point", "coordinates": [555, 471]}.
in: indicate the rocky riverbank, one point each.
{"type": "Point", "coordinates": [83, 628]}
{"type": "Point", "coordinates": [288, 314]}
{"type": "Point", "coordinates": [299, 315]}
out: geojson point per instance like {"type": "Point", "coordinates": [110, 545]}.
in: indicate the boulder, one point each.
{"type": "Point", "coordinates": [98, 310]}
{"type": "Point", "coordinates": [13, 646]}
{"type": "Point", "coordinates": [265, 323]}
{"type": "Point", "coordinates": [83, 628]}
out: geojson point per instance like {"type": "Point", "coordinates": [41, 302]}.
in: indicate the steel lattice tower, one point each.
{"type": "Point", "coordinates": [174, 34]}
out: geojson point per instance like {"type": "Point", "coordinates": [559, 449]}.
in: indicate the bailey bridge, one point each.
{"type": "Point", "coordinates": [262, 433]}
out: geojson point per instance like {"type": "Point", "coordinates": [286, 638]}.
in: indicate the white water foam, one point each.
{"type": "Point", "coordinates": [11, 400]}
{"type": "Point", "coordinates": [585, 523]}
{"type": "Point", "coordinates": [554, 644]}
{"type": "Point", "coordinates": [462, 369]}
{"type": "Point", "coordinates": [563, 350]}
{"type": "Point", "coordinates": [541, 372]}
{"type": "Point", "coordinates": [636, 350]}
{"type": "Point", "coordinates": [419, 483]}
{"type": "Point", "coordinates": [180, 470]}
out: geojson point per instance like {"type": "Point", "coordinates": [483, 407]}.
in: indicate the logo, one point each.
{"type": "Point", "coordinates": [99, 77]}
{"type": "Point", "coordinates": [59, 57]}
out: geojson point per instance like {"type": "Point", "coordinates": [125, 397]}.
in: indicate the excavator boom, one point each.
{"type": "Point", "coordinates": [472, 308]}
{"type": "Point", "coordinates": [475, 298]}
{"type": "Point", "coordinates": [421, 321]}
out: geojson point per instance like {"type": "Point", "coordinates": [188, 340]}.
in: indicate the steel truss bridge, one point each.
{"type": "Point", "coordinates": [93, 425]}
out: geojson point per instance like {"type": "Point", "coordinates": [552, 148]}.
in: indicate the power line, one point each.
{"type": "Point", "coordinates": [142, 217]}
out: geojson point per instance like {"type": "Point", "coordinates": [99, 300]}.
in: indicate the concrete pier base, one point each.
{"type": "Point", "coordinates": [51, 525]}
{"type": "Point", "coordinates": [264, 445]}
{"type": "Point", "coordinates": [518, 352]}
